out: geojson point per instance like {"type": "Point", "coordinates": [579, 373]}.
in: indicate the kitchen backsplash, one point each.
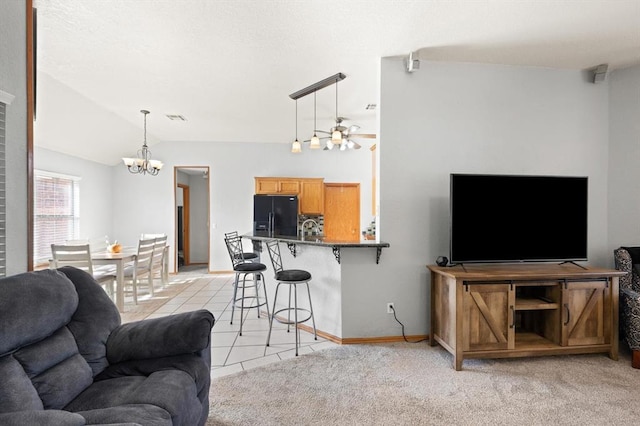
{"type": "Point", "coordinates": [310, 230]}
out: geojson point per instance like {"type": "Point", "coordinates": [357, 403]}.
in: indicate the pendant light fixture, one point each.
{"type": "Point", "coordinates": [315, 140]}
{"type": "Point", "coordinates": [295, 146]}
{"type": "Point", "coordinates": [143, 163]}
{"type": "Point", "coordinates": [336, 135]}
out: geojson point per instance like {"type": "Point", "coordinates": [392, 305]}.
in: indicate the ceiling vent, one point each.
{"type": "Point", "coordinates": [176, 117]}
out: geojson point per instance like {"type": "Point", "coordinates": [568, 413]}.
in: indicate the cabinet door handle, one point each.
{"type": "Point", "coordinates": [566, 306]}
{"type": "Point", "coordinates": [513, 317]}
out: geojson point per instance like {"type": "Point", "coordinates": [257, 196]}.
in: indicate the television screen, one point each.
{"type": "Point", "coordinates": [512, 218]}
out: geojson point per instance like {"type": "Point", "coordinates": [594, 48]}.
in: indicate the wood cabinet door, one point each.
{"type": "Point", "coordinates": [312, 196]}
{"type": "Point", "coordinates": [266, 186]}
{"type": "Point", "coordinates": [586, 313]}
{"type": "Point", "coordinates": [342, 211]}
{"type": "Point", "coordinates": [289, 186]}
{"type": "Point", "coordinates": [488, 321]}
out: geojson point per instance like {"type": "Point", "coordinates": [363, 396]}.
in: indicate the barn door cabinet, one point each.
{"type": "Point", "coordinates": [518, 311]}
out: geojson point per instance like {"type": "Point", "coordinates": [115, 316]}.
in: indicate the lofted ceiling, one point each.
{"type": "Point", "coordinates": [229, 66]}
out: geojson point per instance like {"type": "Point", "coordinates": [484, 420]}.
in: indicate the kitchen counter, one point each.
{"type": "Point", "coordinates": [336, 245]}
{"type": "Point", "coordinates": [341, 272]}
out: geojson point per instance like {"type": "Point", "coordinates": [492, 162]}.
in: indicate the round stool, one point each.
{"type": "Point", "coordinates": [292, 278]}
{"type": "Point", "coordinates": [243, 268]}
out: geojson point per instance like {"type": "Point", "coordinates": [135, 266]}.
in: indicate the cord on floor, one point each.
{"type": "Point", "coordinates": [402, 325]}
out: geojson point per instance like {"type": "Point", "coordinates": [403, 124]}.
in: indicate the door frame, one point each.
{"type": "Point", "coordinates": [186, 213]}
{"type": "Point", "coordinates": [186, 224]}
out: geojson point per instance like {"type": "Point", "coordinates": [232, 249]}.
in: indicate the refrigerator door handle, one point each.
{"type": "Point", "coordinates": [271, 224]}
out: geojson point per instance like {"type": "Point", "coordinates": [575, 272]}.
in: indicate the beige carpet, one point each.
{"type": "Point", "coordinates": [414, 384]}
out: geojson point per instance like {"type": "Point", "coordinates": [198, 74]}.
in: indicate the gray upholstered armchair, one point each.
{"type": "Point", "coordinates": [628, 259]}
{"type": "Point", "coordinates": [65, 359]}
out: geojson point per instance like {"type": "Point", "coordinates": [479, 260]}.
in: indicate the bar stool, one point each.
{"type": "Point", "coordinates": [247, 255]}
{"type": "Point", "coordinates": [244, 268]}
{"type": "Point", "coordinates": [290, 277]}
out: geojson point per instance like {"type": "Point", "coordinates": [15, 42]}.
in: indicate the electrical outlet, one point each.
{"type": "Point", "coordinates": [390, 307]}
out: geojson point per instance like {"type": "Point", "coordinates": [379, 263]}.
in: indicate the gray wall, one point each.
{"type": "Point", "coordinates": [624, 158]}
{"type": "Point", "coordinates": [13, 81]}
{"type": "Point", "coordinates": [96, 190]}
{"type": "Point", "coordinates": [147, 201]}
{"type": "Point", "coordinates": [476, 118]}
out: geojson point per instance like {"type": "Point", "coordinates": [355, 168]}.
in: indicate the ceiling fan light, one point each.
{"type": "Point", "coordinates": [336, 137]}
{"type": "Point", "coordinates": [343, 147]}
{"type": "Point", "coordinates": [315, 142]}
{"type": "Point", "coordinates": [296, 147]}
{"type": "Point", "coordinates": [350, 144]}
{"type": "Point", "coordinates": [330, 144]}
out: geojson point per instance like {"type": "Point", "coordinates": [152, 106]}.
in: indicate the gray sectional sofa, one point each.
{"type": "Point", "coordinates": [65, 358]}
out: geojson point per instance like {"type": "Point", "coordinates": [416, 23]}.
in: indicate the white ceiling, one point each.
{"type": "Point", "coordinates": [229, 66]}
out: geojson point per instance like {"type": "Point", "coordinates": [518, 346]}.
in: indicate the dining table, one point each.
{"type": "Point", "coordinates": [119, 260]}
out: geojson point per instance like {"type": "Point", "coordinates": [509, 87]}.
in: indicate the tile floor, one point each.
{"type": "Point", "coordinates": [231, 353]}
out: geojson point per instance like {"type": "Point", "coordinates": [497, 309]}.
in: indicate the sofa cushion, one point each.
{"type": "Point", "coordinates": [172, 390]}
{"type": "Point", "coordinates": [60, 384]}
{"type": "Point", "coordinates": [16, 392]}
{"type": "Point", "coordinates": [95, 318]}
{"type": "Point", "coordinates": [39, 356]}
{"type": "Point", "coordinates": [22, 321]}
{"type": "Point", "coordinates": [143, 414]}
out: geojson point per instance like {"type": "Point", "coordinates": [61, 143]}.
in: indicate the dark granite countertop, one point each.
{"type": "Point", "coordinates": [317, 241]}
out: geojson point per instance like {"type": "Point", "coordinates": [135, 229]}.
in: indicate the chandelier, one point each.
{"type": "Point", "coordinates": [143, 163]}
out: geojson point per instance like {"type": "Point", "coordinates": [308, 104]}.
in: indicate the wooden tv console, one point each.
{"type": "Point", "coordinates": [519, 310]}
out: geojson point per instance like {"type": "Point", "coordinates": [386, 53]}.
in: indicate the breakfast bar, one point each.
{"type": "Point", "coordinates": [336, 245]}
{"type": "Point", "coordinates": [341, 271]}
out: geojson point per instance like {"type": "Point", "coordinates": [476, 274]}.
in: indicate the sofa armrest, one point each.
{"type": "Point", "coordinates": [41, 417]}
{"type": "Point", "coordinates": [172, 335]}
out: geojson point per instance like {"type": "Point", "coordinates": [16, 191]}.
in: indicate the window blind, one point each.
{"type": "Point", "coordinates": [3, 198]}
{"type": "Point", "coordinates": [56, 212]}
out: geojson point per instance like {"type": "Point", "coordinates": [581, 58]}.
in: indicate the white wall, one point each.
{"type": "Point", "coordinates": [147, 201]}
{"type": "Point", "coordinates": [13, 81]}
{"type": "Point", "coordinates": [454, 117]}
{"type": "Point", "coordinates": [96, 192]}
{"type": "Point", "coordinates": [624, 158]}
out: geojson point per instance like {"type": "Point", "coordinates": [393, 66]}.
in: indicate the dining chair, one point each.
{"type": "Point", "coordinates": [78, 255]}
{"type": "Point", "coordinates": [141, 268]}
{"type": "Point", "coordinates": [159, 261]}
{"type": "Point", "coordinates": [249, 296]}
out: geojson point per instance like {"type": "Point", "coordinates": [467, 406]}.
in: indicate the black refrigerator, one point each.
{"type": "Point", "coordinates": [275, 215]}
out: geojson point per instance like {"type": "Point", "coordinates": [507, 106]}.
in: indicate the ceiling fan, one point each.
{"type": "Point", "coordinates": [343, 136]}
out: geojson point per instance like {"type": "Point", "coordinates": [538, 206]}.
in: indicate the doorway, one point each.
{"type": "Point", "coordinates": [191, 209]}
{"type": "Point", "coordinates": [342, 211]}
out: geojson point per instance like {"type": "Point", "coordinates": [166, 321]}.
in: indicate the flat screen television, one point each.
{"type": "Point", "coordinates": [514, 218]}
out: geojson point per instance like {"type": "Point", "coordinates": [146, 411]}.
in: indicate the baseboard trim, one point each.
{"type": "Point", "coordinates": [363, 340]}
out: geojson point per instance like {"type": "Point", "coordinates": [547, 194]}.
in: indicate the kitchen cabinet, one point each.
{"type": "Point", "coordinates": [274, 186]}
{"type": "Point", "coordinates": [310, 191]}
{"type": "Point", "coordinates": [505, 311]}
{"type": "Point", "coordinates": [311, 196]}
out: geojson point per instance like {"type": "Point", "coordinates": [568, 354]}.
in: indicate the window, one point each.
{"type": "Point", "coordinates": [56, 212]}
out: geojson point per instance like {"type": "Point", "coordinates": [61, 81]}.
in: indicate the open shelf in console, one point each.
{"type": "Point", "coordinates": [537, 296]}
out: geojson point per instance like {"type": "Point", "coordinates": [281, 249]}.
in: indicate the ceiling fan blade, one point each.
{"type": "Point", "coordinates": [363, 135]}
{"type": "Point", "coordinates": [322, 131]}
{"type": "Point", "coordinates": [356, 145]}
{"type": "Point", "coordinates": [353, 128]}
